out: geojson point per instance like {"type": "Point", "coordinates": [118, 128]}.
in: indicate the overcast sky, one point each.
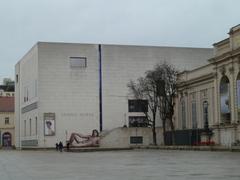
{"type": "Point", "coordinates": [188, 23]}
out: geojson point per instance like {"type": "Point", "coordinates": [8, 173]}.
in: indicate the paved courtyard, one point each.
{"type": "Point", "coordinates": [132, 165]}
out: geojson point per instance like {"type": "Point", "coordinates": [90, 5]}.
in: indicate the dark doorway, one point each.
{"type": "Point", "coordinates": [6, 139]}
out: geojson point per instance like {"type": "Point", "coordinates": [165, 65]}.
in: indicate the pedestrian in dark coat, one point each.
{"type": "Point", "coordinates": [60, 146]}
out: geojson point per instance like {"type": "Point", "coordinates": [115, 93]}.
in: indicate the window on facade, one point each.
{"type": "Point", "coordinates": [30, 127]}
{"type": "Point", "coordinates": [238, 96]}
{"type": "Point", "coordinates": [25, 94]}
{"type": "Point", "coordinates": [194, 115]}
{"type": "Point", "coordinates": [205, 114]}
{"type": "Point", "coordinates": [25, 128]}
{"type": "Point", "coordinates": [36, 132]}
{"type": "Point", "coordinates": [7, 120]}
{"type": "Point", "coordinates": [183, 114]}
{"type": "Point", "coordinates": [78, 62]}
{"type": "Point", "coordinates": [137, 105]}
{"type": "Point", "coordinates": [225, 100]}
{"type": "Point", "coordinates": [16, 78]}
{"type": "Point", "coordinates": [138, 121]}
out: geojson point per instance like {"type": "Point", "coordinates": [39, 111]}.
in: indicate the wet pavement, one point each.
{"type": "Point", "coordinates": [119, 165]}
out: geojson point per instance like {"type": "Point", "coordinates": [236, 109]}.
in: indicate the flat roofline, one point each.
{"type": "Point", "coordinates": [132, 45]}
{"type": "Point", "coordinates": [106, 44]}
{"type": "Point", "coordinates": [32, 47]}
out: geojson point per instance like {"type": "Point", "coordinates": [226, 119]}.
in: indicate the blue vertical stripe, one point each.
{"type": "Point", "coordinates": [100, 86]}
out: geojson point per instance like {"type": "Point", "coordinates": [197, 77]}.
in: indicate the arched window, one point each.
{"type": "Point", "coordinates": [225, 100]}
{"type": "Point", "coordinates": [205, 114]}
{"type": "Point", "coordinates": [238, 95]}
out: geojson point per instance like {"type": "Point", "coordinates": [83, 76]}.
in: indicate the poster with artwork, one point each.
{"type": "Point", "coordinates": [225, 105]}
{"type": "Point", "coordinates": [49, 124]}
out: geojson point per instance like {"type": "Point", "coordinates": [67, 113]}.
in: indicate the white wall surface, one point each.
{"type": "Point", "coordinates": [27, 71]}
{"type": "Point", "coordinates": [70, 93]}
{"type": "Point", "coordinates": [123, 63]}
{"type": "Point", "coordinates": [73, 94]}
{"type": "Point", "coordinates": [120, 137]}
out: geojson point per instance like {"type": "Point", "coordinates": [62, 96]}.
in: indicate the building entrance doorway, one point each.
{"type": "Point", "coordinates": [6, 139]}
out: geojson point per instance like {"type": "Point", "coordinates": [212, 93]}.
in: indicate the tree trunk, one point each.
{"type": "Point", "coordinates": [154, 136]}
{"type": "Point", "coordinates": [173, 131]}
{"type": "Point", "coordinates": [154, 131]}
{"type": "Point", "coordinates": [164, 131]}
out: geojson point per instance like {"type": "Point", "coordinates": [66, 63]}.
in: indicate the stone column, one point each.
{"type": "Point", "coordinates": [187, 108]}
{"type": "Point", "coordinates": [232, 92]}
{"type": "Point", "coordinates": [216, 100]}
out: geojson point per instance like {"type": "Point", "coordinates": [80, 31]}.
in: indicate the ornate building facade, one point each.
{"type": "Point", "coordinates": [209, 96]}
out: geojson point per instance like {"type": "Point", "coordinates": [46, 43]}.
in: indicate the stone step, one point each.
{"type": "Point", "coordinates": [95, 149]}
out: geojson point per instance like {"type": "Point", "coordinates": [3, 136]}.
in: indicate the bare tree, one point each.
{"type": "Point", "coordinates": [158, 86]}
{"type": "Point", "coordinates": [143, 88]}
{"type": "Point", "coordinates": [167, 88]}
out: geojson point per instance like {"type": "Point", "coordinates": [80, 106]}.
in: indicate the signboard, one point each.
{"type": "Point", "coordinates": [136, 140]}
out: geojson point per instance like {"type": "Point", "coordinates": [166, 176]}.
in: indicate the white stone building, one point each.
{"type": "Point", "coordinates": [80, 87]}
{"type": "Point", "coordinates": [210, 95]}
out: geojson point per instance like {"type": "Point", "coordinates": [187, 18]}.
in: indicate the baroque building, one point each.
{"type": "Point", "coordinates": [209, 96]}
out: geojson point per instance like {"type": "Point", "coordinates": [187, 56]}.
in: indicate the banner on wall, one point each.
{"type": "Point", "coordinates": [49, 124]}
{"type": "Point", "coordinates": [225, 104]}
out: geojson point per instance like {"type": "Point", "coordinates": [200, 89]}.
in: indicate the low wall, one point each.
{"type": "Point", "coordinates": [226, 135]}
{"type": "Point", "coordinates": [130, 137]}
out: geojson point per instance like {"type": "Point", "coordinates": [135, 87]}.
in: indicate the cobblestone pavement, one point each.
{"type": "Point", "coordinates": [130, 165]}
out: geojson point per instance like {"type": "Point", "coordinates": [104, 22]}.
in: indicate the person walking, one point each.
{"type": "Point", "coordinates": [60, 146]}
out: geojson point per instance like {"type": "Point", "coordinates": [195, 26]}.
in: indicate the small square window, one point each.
{"type": "Point", "coordinates": [78, 62]}
{"type": "Point", "coordinates": [137, 105]}
{"type": "Point", "coordinates": [6, 120]}
{"type": "Point", "coordinates": [138, 121]}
